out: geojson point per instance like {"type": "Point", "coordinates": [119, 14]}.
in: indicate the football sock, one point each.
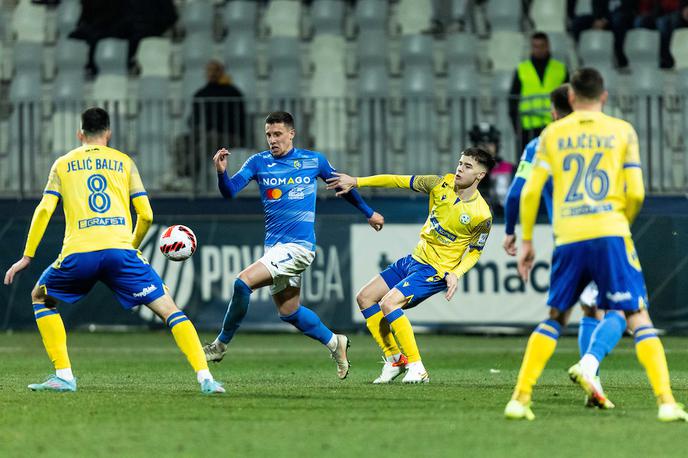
{"type": "Point", "coordinates": [236, 311]}
{"type": "Point", "coordinates": [541, 346]}
{"type": "Point", "coordinates": [53, 333]}
{"type": "Point", "coordinates": [650, 353]}
{"type": "Point", "coordinates": [585, 329]}
{"type": "Point", "coordinates": [306, 321]}
{"type": "Point", "coordinates": [204, 374]}
{"type": "Point", "coordinates": [403, 332]}
{"type": "Point", "coordinates": [187, 340]}
{"type": "Point", "coordinates": [65, 374]}
{"type": "Point", "coordinates": [380, 330]}
{"type": "Point", "coordinates": [605, 336]}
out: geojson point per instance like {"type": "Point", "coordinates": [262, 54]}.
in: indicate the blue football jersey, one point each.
{"type": "Point", "coordinates": [288, 187]}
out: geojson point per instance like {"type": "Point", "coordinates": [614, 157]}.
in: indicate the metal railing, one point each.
{"type": "Point", "coordinates": [172, 141]}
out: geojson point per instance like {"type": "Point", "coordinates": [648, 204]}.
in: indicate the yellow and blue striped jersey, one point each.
{"type": "Point", "coordinates": [453, 226]}
{"type": "Point", "coordinates": [95, 184]}
{"type": "Point", "coordinates": [586, 154]}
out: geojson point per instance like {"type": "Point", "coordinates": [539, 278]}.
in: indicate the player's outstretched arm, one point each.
{"type": "Point", "coordinates": [343, 183]}
{"type": "Point", "coordinates": [39, 222]}
{"type": "Point", "coordinates": [230, 187]}
{"type": "Point", "coordinates": [344, 186]}
{"type": "Point", "coordinates": [144, 218]}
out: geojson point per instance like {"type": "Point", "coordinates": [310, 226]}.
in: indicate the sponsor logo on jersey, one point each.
{"type": "Point", "coordinates": [110, 221]}
{"type": "Point", "coordinates": [273, 194]}
{"type": "Point", "coordinates": [273, 181]}
{"type": "Point", "coordinates": [439, 229]}
{"type": "Point", "coordinates": [296, 193]}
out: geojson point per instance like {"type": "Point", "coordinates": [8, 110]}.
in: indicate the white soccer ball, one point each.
{"type": "Point", "coordinates": [177, 242]}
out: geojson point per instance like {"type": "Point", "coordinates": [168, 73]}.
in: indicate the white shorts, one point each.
{"type": "Point", "coordinates": [589, 295]}
{"type": "Point", "coordinates": [286, 261]}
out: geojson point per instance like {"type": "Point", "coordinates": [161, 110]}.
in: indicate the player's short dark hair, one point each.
{"type": "Point", "coordinates": [587, 83]}
{"type": "Point", "coordinates": [94, 121]}
{"type": "Point", "coordinates": [277, 117]}
{"type": "Point", "coordinates": [539, 36]}
{"type": "Point", "coordinates": [560, 100]}
{"type": "Point", "coordinates": [481, 157]}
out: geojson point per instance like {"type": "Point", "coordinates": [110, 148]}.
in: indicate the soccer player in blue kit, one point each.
{"type": "Point", "coordinates": [287, 178]}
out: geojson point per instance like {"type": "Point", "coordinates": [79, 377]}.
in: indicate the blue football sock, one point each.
{"type": "Point", "coordinates": [236, 311]}
{"type": "Point", "coordinates": [306, 321]}
{"type": "Point", "coordinates": [585, 329]}
{"type": "Point", "coordinates": [606, 335]}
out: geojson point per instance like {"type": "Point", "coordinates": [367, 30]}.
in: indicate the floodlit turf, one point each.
{"type": "Point", "coordinates": [137, 397]}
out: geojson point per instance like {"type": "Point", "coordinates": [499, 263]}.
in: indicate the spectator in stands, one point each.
{"type": "Point", "coordinates": [219, 118]}
{"type": "Point", "coordinates": [494, 186]}
{"type": "Point", "coordinates": [130, 20]}
{"type": "Point", "coordinates": [614, 15]}
{"type": "Point", "coordinates": [532, 83]}
{"type": "Point", "coordinates": [665, 16]}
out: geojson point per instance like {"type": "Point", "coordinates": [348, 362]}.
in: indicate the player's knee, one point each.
{"type": "Point", "coordinates": [364, 299]}
{"type": "Point", "coordinates": [559, 316]}
{"type": "Point", "coordinates": [588, 311]}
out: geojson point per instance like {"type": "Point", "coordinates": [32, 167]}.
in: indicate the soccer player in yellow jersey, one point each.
{"type": "Point", "coordinates": [96, 185]}
{"type": "Point", "coordinates": [598, 190]}
{"type": "Point", "coordinates": [451, 242]}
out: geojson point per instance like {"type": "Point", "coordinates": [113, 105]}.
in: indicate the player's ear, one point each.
{"type": "Point", "coordinates": [604, 97]}
{"type": "Point", "coordinates": [571, 96]}
{"type": "Point", "coordinates": [108, 136]}
{"type": "Point", "coordinates": [80, 136]}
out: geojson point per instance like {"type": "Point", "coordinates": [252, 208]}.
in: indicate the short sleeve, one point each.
{"type": "Point", "coordinates": [135, 183]}
{"type": "Point", "coordinates": [425, 183]}
{"type": "Point", "coordinates": [54, 184]}
{"type": "Point", "coordinates": [479, 234]}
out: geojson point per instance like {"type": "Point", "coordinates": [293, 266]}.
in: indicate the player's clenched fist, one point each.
{"type": "Point", "coordinates": [220, 160]}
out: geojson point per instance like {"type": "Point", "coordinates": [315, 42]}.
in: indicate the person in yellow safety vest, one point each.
{"type": "Point", "coordinates": [533, 81]}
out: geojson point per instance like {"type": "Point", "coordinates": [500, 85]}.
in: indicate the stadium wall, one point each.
{"type": "Point", "coordinates": [491, 297]}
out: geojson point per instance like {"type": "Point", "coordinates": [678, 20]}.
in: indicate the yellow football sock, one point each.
{"type": "Point", "coordinates": [651, 355]}
{"type": "Point", "coordinates": [187, 340]}
{"type": "Point", "coordinates": [539, 350]}
{"type": "Point", "coordinates": [53, 333]}
{"type": "Point", "coordinates": [380, 330]}
{"type": "Point", "coordinates": [403, 332]}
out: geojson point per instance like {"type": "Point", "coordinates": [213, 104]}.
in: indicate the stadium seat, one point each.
{"type": "Point", "coordinates": [463, 83]}
{"type": "Point", "coordinates": [197, 17]}
{"type": "Point", "coordinates": [327, 16]}
{"type": "Point", "coordinates": [560, 46]}
{"type": "Point", "coordinates": [29, 22]}
{"type": "Point", "coordinates": [283, 18]}
{"type": "Point", "coordinates": [239, 47]}
{"type": "Point", "coordinates": [68, 12]}
{"type": "Point", "coordinates": [154, 54]}
{"type": "Point", "coordinates": [285, 73]}
{"type": "Point", "coordinates": [596, 48]}
{"type": "Point", "coordinates": [506, 50]}
{"type": "Point", "coordinates": [583, 7]}
{"type": "Point", "coordinates": [679, 48]}
{"type": "Point", "coordinates": [372, 15]}
{"type": "Point", "coordinates": [198, 50]}
{"type": "Point", "coordinates": [641, 47]}
{"type": "Point", "coordinates": [504, 15]}
{"type": "Point", "coordinates": [153, 128]}
{"type": "Point", "coordinates": [28, 59]}
{"type": "Point", "coordinates": [499, 89]}
{"type": "Point", "coordinates": [549, 15]}
{"type": "Point", "coordinates": [414, 16]}
{"type": "Point", "coordinates": [70, 57]}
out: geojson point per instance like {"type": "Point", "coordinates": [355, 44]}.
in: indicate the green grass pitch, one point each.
{"type": "Point", "coordinates": [138, 397]}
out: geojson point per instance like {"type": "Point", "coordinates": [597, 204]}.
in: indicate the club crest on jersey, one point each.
{"type": "Point", "coordinates": [465, 218]}
{"type": "Point", "coordinates": [297, 164]}
{"type": "Point", "coordinates": [273, 194]}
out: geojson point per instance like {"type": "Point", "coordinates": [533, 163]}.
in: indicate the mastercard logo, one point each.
{"type": "Point", "coordinates": [273, 194]}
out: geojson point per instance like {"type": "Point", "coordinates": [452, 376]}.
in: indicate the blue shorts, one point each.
{"type": "Point", "coordinates": [611, 262]}
{"type": "Point", "coordinates": [415, 280]}
{"type": "Point", "coordinates": [125, 272]}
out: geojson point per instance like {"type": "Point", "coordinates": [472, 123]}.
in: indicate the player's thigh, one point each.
{"type": "Point", "coordinates": [282, 261]}
{"type": "Point", "coordinates": [133, 280]}
{"type": "Point", "coordinates": [287, 300]}
{"type": "Point", "coordinates": [372, 292]}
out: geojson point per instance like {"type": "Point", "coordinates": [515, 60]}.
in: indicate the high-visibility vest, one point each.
{"type": "Point", "coordinates": [534, 104]}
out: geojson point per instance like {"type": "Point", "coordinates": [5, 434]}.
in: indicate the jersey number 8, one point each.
{"type": "Point", "coordinates": [98, 200]}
